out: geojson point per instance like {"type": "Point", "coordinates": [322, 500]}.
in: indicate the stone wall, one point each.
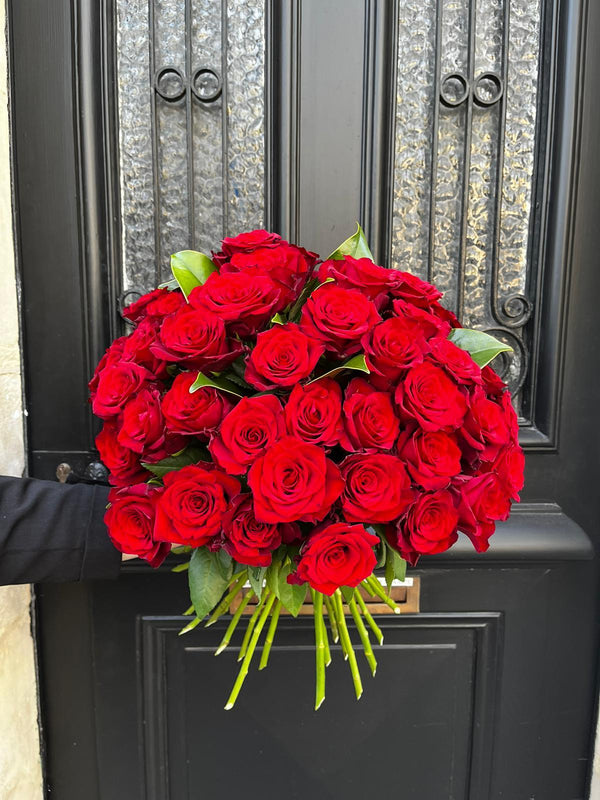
{"type": "Point", "coordinates": [20, 766]}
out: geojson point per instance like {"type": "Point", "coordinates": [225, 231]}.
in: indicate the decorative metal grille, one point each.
{"type": "Point", "coordinates": [466, 126]}
{"type": "Point", "coordinates": [191, 127]}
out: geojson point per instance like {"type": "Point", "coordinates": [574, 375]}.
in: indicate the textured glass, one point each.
{"type": "Point", "coordinates": [191, 171]}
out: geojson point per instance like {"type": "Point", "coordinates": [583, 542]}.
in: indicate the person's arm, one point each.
{"type": "Point", "coordinates": [54, 532]}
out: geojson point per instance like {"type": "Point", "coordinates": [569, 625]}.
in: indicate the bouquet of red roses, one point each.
{"type": "Point", "coordinates": [292, 425]}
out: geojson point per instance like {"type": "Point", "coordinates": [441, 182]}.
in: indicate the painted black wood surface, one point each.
{"type": "Point", "coordinates": [491, 691]}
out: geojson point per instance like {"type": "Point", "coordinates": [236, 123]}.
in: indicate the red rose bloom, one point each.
{"type": "Point", "coordinates": [249, 541]}
{"type": "Point", "coordinates": [377, 488]}
{"type": "Point", "coordinates": [113, 355]}
{"type": "Point", "coordinates": [294, 481]}
{"type": "Point", "coordinates": [414, 290]}
{"type": "Point", "coordinates": [429, 526]}
{"type": "Point", "coordinates": [165, 304]}
{"type": "Point", "coordinates": [481, 501]}
{"type": "Point", "coordinates": [247, 242]}
{"type": "Point", "coordinates": [197, 339]}
{"type": "Point", "coordinates": [432, 457]}
{"type": "Point", "coordinates": [430, 397]}
{"type": "Point", "coordinates": [336, 555]}
{"type": "Point", "coordinates": [283, 356]}
{"type": "Point", "coordinates": [253, 425]}
{"type": "Point", "coordinates": [457, 362]}
{"type": "Point", "coordinates": [244, 302]}
{"type": "Point", "coordinates": [190, 511]}
{"type": "Point", "coordinates": [121, 462]}
{"type": "Point", "coordinates": [198, 413]}
{"type": "Point", "coordinates": [485, 428]}
{"type": "Point", "coordinates": [358, 273]}
{"type": "Point", "coordinates": [116, 384]}
{"type": "Point", "coordinates": [509, 466]}
{"type": "Point", "coordinates": [137, 348]}
{"type": "Point", "coordinates": [492, 383]}
{"type": "Point", "coordinates": [432, 326]}
{"type": "Point", "coordinates": [391, 348]}
{"type": "Point", "coordinates": [370, 421]}
{"type": "Point", "coordinates": [339, 318]}
{"type": "Point", "coordinates": [130, 522]}
{"type": "Point", "coordinates": [313, 413]}
{"type": "Point", "coordinates": [137, 311]}
{"type": "Point", "coordinates": [142, 425]}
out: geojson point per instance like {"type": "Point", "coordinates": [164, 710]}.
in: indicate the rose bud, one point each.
{"type": "Point", "coordinates": [197, 339]}
{"type": "Point", "coordinates": [370, 421]}
{"type": "Point", "coordinates": [313, 413]}
{"type": "Point", "coordinates": [246, 539]}
{"type": "Point", "coordinates": [339, 318]}
{"type": "Point", "coordinates": [294, 481]}
{"type": "Point", "coordinates": [190, 511]}
{"type": "Point", "coordinates": [122, 463]}
{"type": "Point", "coordinates": [283, 356]}
{"type": "Point", "coordinates": [244, 302]}
{"type": "Point", "coordinates": [433, 458]}
{"type": "Point", "coordinates": [116, 384]}
{"type": "Point", "coordinates": [198, 413]}
{"type": "Point", "coordinates": [247, 432]}
{"type": "Point", "coordinates": [481, 500]}
{"type": "Point", "coordinates": [429, 526]}
{"type": "Point", "coordinates": [336, 555]}
{"type": "Point", "coordinates": [377, 488]}
{"type": "Point", "coordinates": [130, 522]}
{"type": "Point", "coordinates": [430, 397]}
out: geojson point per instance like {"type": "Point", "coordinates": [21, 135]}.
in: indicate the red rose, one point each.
{"type": "Point", "coordinates": [411, 288]}
{"type": "Point", "coordinates": [313, 413]}
{"type": "Point", "coordinates": [377, 488]}
{"type": "Point", "coordinates": [244, 302]}
{"type": "Point", "coordinates": [199, 412]}
{"type": "Point", "coordinates": [432, 457]}
{"type": "Point", "coordinates": [430, 397]}
{"type": "Point", "coordinates": [339, 318]}
{"type": "Point", "coordinates": [509, 466]}
{"type": "Point", "coordinates": [253, 425]}
{"type": "Point", "coordinates": [249, 541]}
{"type": "Point", "coordinates": [165, 304]}
{"type": "Point", "coordinates": [492, 383]}
{"type": "Point", "coordinates": [391, 348]}
{"type": "Point", "coordinates": [481, 501]}
{"type": "Point", "coordinates": [130, 522]}
{"type": "Point", "coordinates": [358, 273]}
{"type": "Point", "coordinates": [294, 481]}
{"type": "Point", "coordinates": [246, 243]}
{"type": "Point", "coordinates": [137, 348]}
{"type": "Point", "coordinates": [283, 356]}
{"type": "Point", "coordinates": [431, 325]}
{"type": "Point", "coordinates": [142, 425]}
{"type": "Point", "coordinates": [457, 362]}
{"type": "Point", "coordinates": [190, 511]}
{"type": "Point", "coordinates": [429, 526]}
{"type": "Point", "coordinates": [116, 384]}
{"type": "Point", "coordinates": [113, 355]}
{"type": "Point", "coordinates": [122, 463]}
{"type": "Point", "coordinates": [137, 311]}
{"type": "Point", "coordinates": [196, 338]}
{"type": "Point", "coordinates": [336, 555]}
{"type": "Point", "coordinates": [369, 418]}
{"type": "Point", "coordinates": [485, 427]}
{"type": "Point", "coordinates": [285, 264]}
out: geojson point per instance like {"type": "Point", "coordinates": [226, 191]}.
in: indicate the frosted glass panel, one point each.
{"type": "Point", "coordinates": [190, 77]}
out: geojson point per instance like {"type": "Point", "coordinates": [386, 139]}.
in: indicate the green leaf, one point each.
{"type": "Point", "coordinates": [256, 576]}
{"type": "Point", "coordinates": [218, 383]}
{"type": "Point", "coordinates": [291, 596]}
{"type": "Point", "coordinates": [224, 564]}
{"type": "Point", "coordinates": [191, 269]}
{"type": "Point", "coordinates": [481, 346]}
{"type": "Point", "coordinates": [277, 320]}
{"type": "Point", "coordinates": [207, 584]}
{"type": "Point", "coordinates": [191, 455]}
{"type": "Point", "coordinates": [347, 592]}
{"type": "Point", "coordinates": [309, 288]}
{"type": "Point", "coordinates": [395, 567]}
{"type": "Point", "coordinates": [170, 285]}
{"type": "Point", "coordinates": [181, 567]}
{"type": "Point", "coordinates": [356, 246]}
{"type": "Point", "coordinates": [358, 363]}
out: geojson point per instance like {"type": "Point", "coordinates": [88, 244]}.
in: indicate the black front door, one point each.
{"type": "Point", "coordinates": [464, 137]}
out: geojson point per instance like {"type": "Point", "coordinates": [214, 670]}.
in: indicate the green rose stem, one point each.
{"type": "Point", "coordinates": [252, 623]}
{"type": "Point", "coordinates": [325, 638]}
{"type": "Point", "coordinates": [189, 611]}
{"type": "Point", "coordinates": [364, 636]}
{"type": "Point", "coordinates": [345, 637]}
{"type": "Point", "coordinates": [235, 619]}
{"type": "Point", "coordinates": [190, 626]}
{"type": "Point", "coordinates": [332, 622]}
{"type": "Point", "coordinates": [376, 589]}
{"type": "Point", "coordinates": [250, 652]}
{"type": "Point", "coordinates": [226, 601]}
{"type": "Point", "coordinates": [367, 615]}
{"type": "Point", "coordinates": [319, 648]}
{"type": "Point", "coordinates": [264, 659]}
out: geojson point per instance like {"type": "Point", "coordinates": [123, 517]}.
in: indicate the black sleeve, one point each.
{"type": "Point", "coordinates": [54, 532]}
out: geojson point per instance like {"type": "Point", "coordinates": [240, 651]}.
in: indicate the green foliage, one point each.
{"type": "Point", "coordinates": [218, 383]}
{"type": "Point", "coordinates": [309, 288]}
{"type": "Point", "coordinates": [256, 576]}
{"type": "Point", "coordinates": [191, 455]}
{"type": "Point", "coordinates": [207, 581]}
{"type": "Point", "coordinates": [347, 592]}
{"type": "Point", "coordinates": [395, 567]}
{"type": "Point", "coordinates": [357, 363]}
{"type": "Point", "coordinates": [481, 346]}
{"type": "Point", "coordinates": [355, 246]}
{"type": "Point", "coordinates": [291, 596]}
{"type": "Point", "coordinates": [191, 269]}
